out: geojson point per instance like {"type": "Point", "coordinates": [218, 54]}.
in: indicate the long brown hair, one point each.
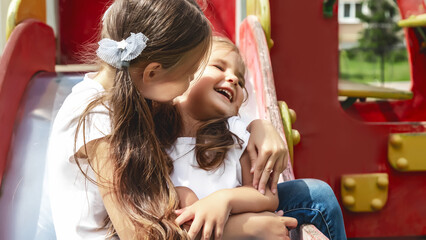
{"type": "Point", "coordinates": [141, 179]}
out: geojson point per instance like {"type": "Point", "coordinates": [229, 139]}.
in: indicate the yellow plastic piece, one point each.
{"type": "Point", "coordinates": [296, 136]}
{"type": "Point", "coordinates": [293, 116]}
{"type": "Point", "coordinates": [407, 151]}
{"type": "Point", "coordinates": [19, 10]}
{"type": "Point", "coordinates": [288, 132]}
{"type": "Point", "coordinates": [395, 141]}
{"type": "Point", "coordinates": [359, 90]}
{"type": "Point", "coordinates": [365, 192]}
{"type": "Point", "coordinates": [260, 8]}
{"type": "Point", "coordinates": [413, 21]}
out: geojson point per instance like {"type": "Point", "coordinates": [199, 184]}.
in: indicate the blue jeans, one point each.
{"type": "Point", "coordinates": [312, 201]}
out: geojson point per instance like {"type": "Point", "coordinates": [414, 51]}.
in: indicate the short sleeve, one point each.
{"type": "Point", "coordinates": [97, 122]}
{"type": "Point", "coordinates": [239, 128]}
{"type": "Point", "coordinates": [97, 125]}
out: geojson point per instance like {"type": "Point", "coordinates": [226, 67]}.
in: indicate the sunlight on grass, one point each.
{"type": "Point", "coordinates": [359, 67]}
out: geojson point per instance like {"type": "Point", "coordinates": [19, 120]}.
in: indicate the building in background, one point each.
{"type": "Point", "coordinates": [4, 5]}
{"type": "Point", "coordinates": [349, 24]}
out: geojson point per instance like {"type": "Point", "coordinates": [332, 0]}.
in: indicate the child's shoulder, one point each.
{"type": "Point", "coordinates": [87, 85]}
{"type": "Point", "coordinates": [238, 126]}
{"type": "Point", "coordinates": [83, 92]}
{"type": "Point", "coordinates": [236, 122]}
{"type": "Point", "coordinates": [81, 95]}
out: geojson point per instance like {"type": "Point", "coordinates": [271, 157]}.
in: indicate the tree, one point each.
{"type": "Point", "coordinates": [380, 35]}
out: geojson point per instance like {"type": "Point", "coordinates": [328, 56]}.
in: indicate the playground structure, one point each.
{"type": "Point", "coordinates": [371, 153]}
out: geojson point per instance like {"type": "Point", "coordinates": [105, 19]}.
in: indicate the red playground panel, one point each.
{"type": "Point", "coordinates": [334, 142]}
{"type": "Point", "coordinates": [79, 25]}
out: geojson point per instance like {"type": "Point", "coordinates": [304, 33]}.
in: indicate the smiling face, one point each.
{"type": "Point", "coordinates": [220, 90]}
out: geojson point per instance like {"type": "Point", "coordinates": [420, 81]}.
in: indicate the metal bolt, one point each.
{"type": "Point", "coordinates": [296, 136]}
{"type": "Point", "coordinates": [349, 183]}
{"type": "Point", "coordinates": [349, 201]}
{"type": "Point", "coordinates": [377, 204]}
{"type": "Point", "coordinates": [396, 141]}
{"type": "Point", "coordinates": [402, 163]}
{"type": "Point", "coordinates": [382, 182]}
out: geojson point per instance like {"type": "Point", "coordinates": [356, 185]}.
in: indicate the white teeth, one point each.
{"type": "Point", "coordinates": [226, 93]}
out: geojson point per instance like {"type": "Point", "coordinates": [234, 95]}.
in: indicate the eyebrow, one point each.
{"type": "Point", "coordinates": [239, 74]}
{"type": "Point", "coordinates": [220, 61]}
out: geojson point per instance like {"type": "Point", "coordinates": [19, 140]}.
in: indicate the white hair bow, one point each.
{"type": "Point", "coordinates": [119, 54]}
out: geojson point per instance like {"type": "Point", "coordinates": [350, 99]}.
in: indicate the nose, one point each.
{"type": "Point", "coordinates": [231, 78]}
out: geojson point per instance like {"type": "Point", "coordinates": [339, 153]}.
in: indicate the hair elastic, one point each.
{"type": "Point", "coordinates": [119, 54]}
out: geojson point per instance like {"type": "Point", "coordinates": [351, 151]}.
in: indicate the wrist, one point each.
{"type": "Point", "coordinates": [226, 196]}
{"type": "Point", "coordinates": [262, 122]}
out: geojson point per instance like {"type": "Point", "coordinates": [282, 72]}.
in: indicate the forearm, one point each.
{"type": "Point", "coordinates": [238, 227]}
{"type": "Point", "coordinates": [247, 199]}
{"type": "Point", "coordinates": [250, 225]}
{"type": "Point", "coordinates": [260, 123]}
{"type": "Point", "coordinates": [264, 225]}
{"type": "Point", "coordinates": [186, 196]}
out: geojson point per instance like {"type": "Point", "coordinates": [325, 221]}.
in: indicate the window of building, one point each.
{"type": "Point", "coordinates": [349, 11]}
{"type": "Point", "coordinates": [346, 10]}
{"type": "Point", "coordinates": [358, 9]}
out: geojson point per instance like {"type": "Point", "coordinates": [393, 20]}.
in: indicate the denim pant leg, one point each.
{"type": "Point", "coordinates": [312, 201]}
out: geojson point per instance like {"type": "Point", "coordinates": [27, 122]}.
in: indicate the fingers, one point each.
{"type": "Point", "coordinates": [187, 225]}
{"type": "Point", "coordinates": [207, 230]}
{"type": "Point", "coordinates": [179, 211]}
{"type": "Point", "coordinates": [219, 230]}
{"type": "Point", "coordinates": [259, 169]}
{"type": "Point", "coordinates": [184, 217]}
{"type": "Point", "coordinates": [289, 222]}
{"type": "Point", "coordinates": [252, 151]}
{"type": "Point", "coordinates": [195, 228]}
{"type": "Point", "coordinates": [275, 176]}
{"type": "Point", "coordinates": [285, 159]}
{"type": "Point", "coordinates": [264, 178]}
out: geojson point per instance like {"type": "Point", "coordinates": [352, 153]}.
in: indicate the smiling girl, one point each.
{"type": "Point", "coordinates": [212, 165]}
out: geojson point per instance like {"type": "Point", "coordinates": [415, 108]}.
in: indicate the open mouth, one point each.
{"type": "Point", "coordinates": [225, 93]}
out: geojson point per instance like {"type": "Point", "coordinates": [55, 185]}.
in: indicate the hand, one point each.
{"type": "Point", "coordinates": [209, 213]}
{"type": "Point", "coordinates": [268, 154]}
{"type": "Point", "coordinates": [265, 225]}
{"type": "Point", "coordinates": [275, 227]}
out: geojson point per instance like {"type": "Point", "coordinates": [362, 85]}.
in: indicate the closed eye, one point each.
{"type": "Point", "coordinates": [219, 67]}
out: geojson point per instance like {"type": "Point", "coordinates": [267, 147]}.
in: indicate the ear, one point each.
{"type": "Point", "coordinates": [152, 72]}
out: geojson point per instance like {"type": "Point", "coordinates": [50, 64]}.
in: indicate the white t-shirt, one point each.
{"type": "Point", "coordinates": [78, 211]}
{"type": "Point", "coordinates": [187, 172]}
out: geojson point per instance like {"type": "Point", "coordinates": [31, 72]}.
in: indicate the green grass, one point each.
{"type": "Point", "coordinates": [355, 67]}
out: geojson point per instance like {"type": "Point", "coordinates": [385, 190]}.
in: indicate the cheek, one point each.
{"type": "Point", "coordinates": [240, 99]}
{"type": "Point", "coordinates": [196, 97]}
{"type": "Point", "coordinates": [176, 89]}
{"type": "Point", "coordinates": [183, 86]}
